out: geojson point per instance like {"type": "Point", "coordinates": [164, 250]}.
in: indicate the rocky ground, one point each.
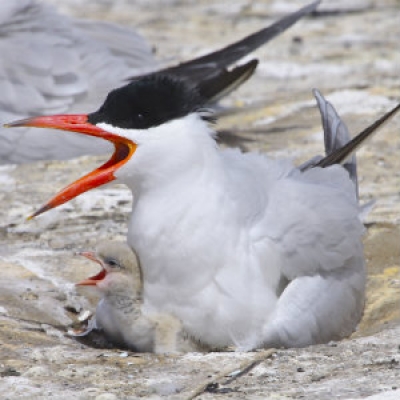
{"type": "Point", "coordinates": [350, 51]}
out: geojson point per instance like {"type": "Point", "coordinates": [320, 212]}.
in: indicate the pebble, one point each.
{"type": "Point", "coordinates": [37, 371]}
{"type": "Point", "coordinates": [107, 396]}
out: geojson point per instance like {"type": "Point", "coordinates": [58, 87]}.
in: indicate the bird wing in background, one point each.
{"type": "Point", "coordinates": [51, 63]}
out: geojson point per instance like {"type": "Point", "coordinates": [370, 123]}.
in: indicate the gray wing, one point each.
{"type": "Point", "coordinates": [319, 240]}
{"type": "Point", "coordinates": [313, 220]}
{"type": "Point", "coordinates": [53, 64]}
{"type": "Point", "coordinates": [318, 309]}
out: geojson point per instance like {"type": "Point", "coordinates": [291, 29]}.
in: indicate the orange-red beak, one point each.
{"type": "Point", "coordinates": [92, 281]}
{"type": "Point", "coordinates": [124, 149]}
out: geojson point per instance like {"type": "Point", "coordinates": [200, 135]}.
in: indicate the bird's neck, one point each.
{"type": "Point", "coordinates": [121, 290]}
{"type": "Point", "coordinates": [182, 151]}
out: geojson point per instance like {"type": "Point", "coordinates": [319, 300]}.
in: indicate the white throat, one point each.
{"type": "Point", "coordinates": [166, 153]}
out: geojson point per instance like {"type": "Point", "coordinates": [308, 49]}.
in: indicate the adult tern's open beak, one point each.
{"type": "Point", "coordinates": [92, 281]}
{"type": "Point", "coordinates": [124, 149]}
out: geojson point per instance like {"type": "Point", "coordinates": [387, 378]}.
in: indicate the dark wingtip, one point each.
{"type": "Point", "coordinates": [226, 81]}
{"type": "Point", "coordinates": [344, 152]}
{"type": "Point", "coordinates": [205, 67]}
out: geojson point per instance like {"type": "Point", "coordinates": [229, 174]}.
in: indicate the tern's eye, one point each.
{"type": "Point", "coordinates": [137, 119]}
{"type": "Point", "coordinates": [112, 262]}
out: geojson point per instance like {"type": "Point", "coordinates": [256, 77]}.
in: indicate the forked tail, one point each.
{"type": "Point", "coordinates": [339, 147]}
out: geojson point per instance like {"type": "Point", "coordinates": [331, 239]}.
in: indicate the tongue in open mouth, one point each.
{"type": "Point", "coordinates": [93, 280]}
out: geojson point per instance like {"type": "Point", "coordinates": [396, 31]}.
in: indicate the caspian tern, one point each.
{"type": "Point", "coordinates": [120, 317]}
{"type": "Point", "coordinates": [53, 64]}
{"type": "Point", "coordinates": [243, 249]}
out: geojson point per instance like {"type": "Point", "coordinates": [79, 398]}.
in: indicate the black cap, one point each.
{"type": "Point", "coordinates": [148, 102]}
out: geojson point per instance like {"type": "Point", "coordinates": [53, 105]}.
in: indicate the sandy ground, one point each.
{"type": "Point", "coordinates": [351, 53]}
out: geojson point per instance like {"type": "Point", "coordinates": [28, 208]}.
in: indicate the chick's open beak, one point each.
{"type": "Point", "coordinates": [93, 280]}
{"type": "Point", "coordinates": [124, 149]}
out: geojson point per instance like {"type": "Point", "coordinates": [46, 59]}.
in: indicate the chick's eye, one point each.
{"type": "Point", "coordinates": [112, 262]}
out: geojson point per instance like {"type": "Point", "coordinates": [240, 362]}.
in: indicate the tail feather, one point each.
{"type": "Point", "coordinates": [339, 147]}
{"type": "Point", "coordinates": [336, 135]}
{"type": "Point", "coordinates": [340, 155]}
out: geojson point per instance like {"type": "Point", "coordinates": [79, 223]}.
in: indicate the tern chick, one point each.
{"type": "Point", "coordinates": [120, 317]}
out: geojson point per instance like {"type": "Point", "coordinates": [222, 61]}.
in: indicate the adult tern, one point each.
{"type": "Point", "coordinates": [242, 248]}
{"type": "Point", "coordinates": [120, 319]}
{"type": "Point", "coordinates": [51, 63]}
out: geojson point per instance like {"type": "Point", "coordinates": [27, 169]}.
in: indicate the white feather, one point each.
{"type": "Point", "coordinates": [217, 231]}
